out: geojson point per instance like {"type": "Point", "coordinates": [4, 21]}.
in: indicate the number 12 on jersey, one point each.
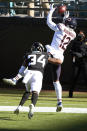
{"type": "Point", "coordinates": [65, 41]}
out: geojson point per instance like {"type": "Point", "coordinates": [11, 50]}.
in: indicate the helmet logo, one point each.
{"type": "Point", "coordinates": [69, 19]}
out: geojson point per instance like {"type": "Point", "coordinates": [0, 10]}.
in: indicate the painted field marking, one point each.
{"type": "Point", "coordinates": [45, 109]}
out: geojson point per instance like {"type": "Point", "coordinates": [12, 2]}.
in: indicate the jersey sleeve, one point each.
{"type": "Point", "coordinates": [50, 23]}
{"type": "Point", "coordinates": [61, 26]}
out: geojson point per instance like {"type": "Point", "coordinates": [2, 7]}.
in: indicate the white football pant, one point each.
{"type": "Point", "coordinates": [58, 90]}
{"type": "Point", "coordinates": [58, 54]}
{"type": "Point", "coordinates": [33, 80]}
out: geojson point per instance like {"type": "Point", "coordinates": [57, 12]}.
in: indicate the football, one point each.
{"type": "Point", "coordinates": [62, 9]}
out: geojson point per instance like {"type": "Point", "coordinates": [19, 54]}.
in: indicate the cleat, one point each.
{"type": "Point", "coordinates": [31, 111]}
{"type": "Point", "coordinates": [9, 81]}
{"type": "Point", "coordinates": [59, 107]}
{"type": "Point", "coordinates": [16, 111]}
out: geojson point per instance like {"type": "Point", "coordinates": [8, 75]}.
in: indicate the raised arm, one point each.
{"type": "Point", "coordinates": [50, 23]}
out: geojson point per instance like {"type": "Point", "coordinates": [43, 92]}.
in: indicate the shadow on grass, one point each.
{"type": "Point", "coordinates": [6, 118]}
{"type": "Point", "coordinates": [26, 130]}
{"type": "Point", "coordinates": [16, 130]}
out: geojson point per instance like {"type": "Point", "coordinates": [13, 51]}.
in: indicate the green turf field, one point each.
{"type": "Point", "coordinates": [43, 121]}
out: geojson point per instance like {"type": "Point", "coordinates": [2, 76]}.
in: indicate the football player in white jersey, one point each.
{"type": "Point", "coordinates": [64, 34]}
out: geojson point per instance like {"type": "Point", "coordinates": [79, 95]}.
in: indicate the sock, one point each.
{"type": "Point", "coordinates": [17, 77]}
{"type": "Point", "coordinates": [58, 90]}
{"type": "Point", "coordinates": [34, 98]}
{"type": "Point", "coordinates": [20, 74]}
{"type": "Point", "coordinates": [24, 98]}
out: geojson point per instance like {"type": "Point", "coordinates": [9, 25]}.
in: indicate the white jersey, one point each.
{"type": "Point", "coordinates": [62, 37]}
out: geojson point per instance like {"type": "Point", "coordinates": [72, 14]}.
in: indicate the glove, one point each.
{"type": "Point", "coordinates": [66, 15]}
{"type": "Point", "coordinates": [52, 8]}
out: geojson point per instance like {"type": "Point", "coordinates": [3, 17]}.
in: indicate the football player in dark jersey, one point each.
{"type": "Point", "coordinates": [32, 71]}
{"type": "Point", "coordinates": [79, 60]}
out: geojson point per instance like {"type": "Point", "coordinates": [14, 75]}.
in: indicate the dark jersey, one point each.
{"type": "Point", "coordinates": [79, 46]}
{"type": "Point", "coordinates": [79, 50]}
{"type": "Point", "coordinates": [37, 61]}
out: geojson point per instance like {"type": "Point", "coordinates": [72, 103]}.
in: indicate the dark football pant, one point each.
{"type": "Point", "coordinates": [55, 71]}
{"type": "Point", "coordinates": [77, 69]}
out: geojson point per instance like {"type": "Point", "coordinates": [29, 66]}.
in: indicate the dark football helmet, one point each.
{"type": "Point", "coordinates": [71, 22]}
{"type": "Point", "coordinates": [81, 36]}
{"type": "Point", "coordinates": [37, 47]}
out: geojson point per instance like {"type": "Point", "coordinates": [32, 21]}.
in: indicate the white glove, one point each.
{"type": "Point", "coordinates": [66, 15]}
{"type": "Point", "coordinates": [52, 8]}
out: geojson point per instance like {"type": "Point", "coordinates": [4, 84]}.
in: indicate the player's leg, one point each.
{"type": "Point", "coordinates": [23, 100]}
{"type": "Point", "coordinates": [84, 71]}
{"type": "Point", "coordinates": [58, 90]}
{"type": "Point", "coordinates": [34, 99]}
{"type": "Point", "coordinates": [25, 96]}
{"type": "Point", "coordinates": [36, 85]}
{"type": "Point", "coordinates": [74, 78]}
{"type": "Point", "coordinates": [56, 70]}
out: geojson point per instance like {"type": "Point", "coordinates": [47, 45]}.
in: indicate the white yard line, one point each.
{"type": "Point", "coordinates": [44, 109]}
